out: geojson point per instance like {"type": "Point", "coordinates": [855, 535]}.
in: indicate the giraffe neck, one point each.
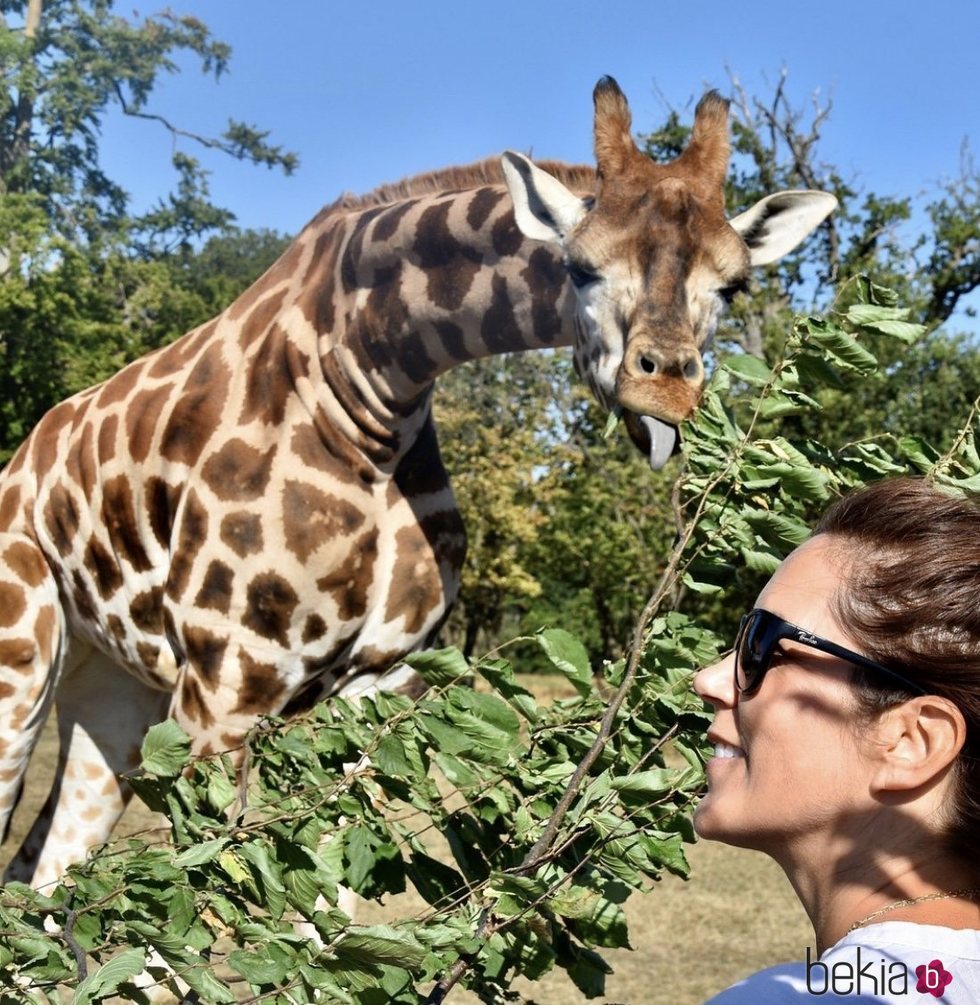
{"type": "Point", "coordinates": [420, 286]}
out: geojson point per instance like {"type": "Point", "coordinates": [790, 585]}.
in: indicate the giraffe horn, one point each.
{"type": "Point", "coordinates": [614, 146]}
{"type": "Point", "coordinates": [707, 151]}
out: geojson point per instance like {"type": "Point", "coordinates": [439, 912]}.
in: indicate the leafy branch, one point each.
{"type": "Point", "coordinates": [523, 826]}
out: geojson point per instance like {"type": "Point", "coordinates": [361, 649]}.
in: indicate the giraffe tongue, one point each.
{"type": "Point", "coordinates": [662, 440]}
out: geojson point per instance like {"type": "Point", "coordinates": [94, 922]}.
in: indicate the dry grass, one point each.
{"type": "Point", "coordinates": [690, 939]}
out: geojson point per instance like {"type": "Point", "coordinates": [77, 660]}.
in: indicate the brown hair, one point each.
{"type": "Point", "coordinates": [911, 598]}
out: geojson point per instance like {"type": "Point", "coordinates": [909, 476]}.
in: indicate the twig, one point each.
{"type": "Point", "coordinates": [965, 430]}
{"type": "Point", "coordinates": [539, 850]}
{"type": "Point", "coordinates": [67, 934]}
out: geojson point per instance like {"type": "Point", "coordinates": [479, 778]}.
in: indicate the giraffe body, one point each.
{"type": "Point", "coordinates": [258, 515]}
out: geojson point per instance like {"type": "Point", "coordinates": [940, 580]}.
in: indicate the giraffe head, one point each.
{"type": "Point", "coordinates": [653, 258]}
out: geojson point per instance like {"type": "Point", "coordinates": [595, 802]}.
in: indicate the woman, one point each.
{"type": "Point", "coordinates": [846, 732]}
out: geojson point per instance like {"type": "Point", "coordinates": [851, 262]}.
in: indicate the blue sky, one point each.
{"type": "Point", "coordinates": [371, 93]}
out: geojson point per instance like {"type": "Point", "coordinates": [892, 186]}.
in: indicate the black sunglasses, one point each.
{"type": "Point", "coordinates": [759, 632]}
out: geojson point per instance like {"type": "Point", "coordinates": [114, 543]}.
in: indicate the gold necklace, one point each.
{"type": "Point", "coordinates": [913, 900]}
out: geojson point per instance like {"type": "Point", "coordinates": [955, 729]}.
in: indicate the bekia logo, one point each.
{"type": "Point", "coordinates": [873, 975]}
{"type": "Point", "coordinates": [933, 978]}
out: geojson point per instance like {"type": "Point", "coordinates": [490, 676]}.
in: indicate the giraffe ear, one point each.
{"type": "Point", "coordinates": [544, 209]}
{"type": "Point", "coordinates": [775, 225]}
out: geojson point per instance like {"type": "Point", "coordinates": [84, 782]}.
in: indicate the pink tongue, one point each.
{"type": "Point", "coordinates": [662, 440]}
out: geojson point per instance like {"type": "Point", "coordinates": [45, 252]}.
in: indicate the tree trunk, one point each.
{"type": "Point", "coordinates": [21, 145]}
{"type": "Point", "coordinates": [20, 141]}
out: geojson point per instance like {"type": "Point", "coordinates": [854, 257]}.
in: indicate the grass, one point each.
{"type": "Point", "coordinates": [736, 914]}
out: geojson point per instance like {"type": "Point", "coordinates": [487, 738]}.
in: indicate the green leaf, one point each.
{"type": "Point", "coordinates": [568, 656]}
{"type": "Point", "coordinates": [918, 452]}
{"type": "Point", "coordinates": [439, 667]}
{"type": "Point", "coordinates": [193, 968]}
{"type": "Point", "coordinates": [605, 926]}
{"type": "Point", "coordinates": [500, 675]}
{"type": "Point", "coordinates": [750, 369]}
{"type": "Point", "coordinates": [648, 784]}
{"type": "Point", "coordinates": [862, 314]}
{"type": "Point", "coordinates": [392, 758]}
{"type": "Point", "coordinates": [200, 854]}
{"type": "Point", "coordinates": [166, 749]}
{"type": "Point", "coordinates": [438, 884]}
{"type": "Point", "coordinates": [482, 726]}
{"type": "Point", "coordinates": [815, 370]}
{"type": "Point", "coordinates": [181, 909]}
{"type": "Point", "coordinates": [359, 845]}
{"type": "Point", "coordinates": [379, 944]}
{"type": "Point", "coordinates": [778, 529]}
{"type": "Point", "coordinates": [233, 866]}
{"type": "Point", "coordinates": [268, 875]}
{"type": "Point", "coordinates": [667, 850]}
{"type": "Point", "coordinates": [887, 320]}
{"type": "Point", "coordinates": [778, 404]}
{"type": "Point", "coordinates": [760, 561]}
{"type": "Point", "coordinates": [841, 346]}
{"type": "Point", "coordinates": [257, 968]}
{"type": "Point", "coordinates": [906, 331]}
{"type": "Point", "coordinates": [457, 772]}
{"type": "Point", "coordinates": [304, 886]}
{"type": "Point", "coordinates": [612, 421]}
{"type": "Point", "coordinates": [699, 585]}
{"type": "Point", "coordinates": [798, 480]}
{"type": "Point", "coordinates": [220, 792]}
{"type": "Point", "coordinates": [106, 980]}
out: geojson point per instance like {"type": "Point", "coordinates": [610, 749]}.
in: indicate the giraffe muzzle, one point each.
{"type": "Point", "coordinates": [664, 384]}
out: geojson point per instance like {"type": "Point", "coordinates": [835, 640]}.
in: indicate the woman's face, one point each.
{"type": "Point", "coordinates": [787, 759]}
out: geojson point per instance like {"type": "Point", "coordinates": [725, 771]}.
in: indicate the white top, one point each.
{"type": "Point", "coordinates": [891, 963]}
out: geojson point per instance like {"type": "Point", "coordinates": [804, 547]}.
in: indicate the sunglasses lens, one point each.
{"type": "Point", "coordinates": [751, 656]}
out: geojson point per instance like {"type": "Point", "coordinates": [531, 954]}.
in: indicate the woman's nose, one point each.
{"type": "Point", "coordinates": [716, 683]}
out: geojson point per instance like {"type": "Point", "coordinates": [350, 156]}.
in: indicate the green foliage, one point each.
{"type": "Point", "coordinates": [64, 65]}
{"type": "Point", "coordinates": [523, 826]}
{"type": "Point", "coordinates": [84, 287]}
{"type": "Point", "coordinates": [449, 794]}
{"type": "Point", "coordinates": [493, 416]}
{"type": "Point", "coordinates": [72, 316]}
{"type": "Point", "coordinates": [534, 478]}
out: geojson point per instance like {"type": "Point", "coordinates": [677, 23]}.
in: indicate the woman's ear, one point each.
{"type": "Point", "coordinates": [916, 743]}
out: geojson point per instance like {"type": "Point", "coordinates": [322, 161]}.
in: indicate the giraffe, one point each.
{"type": "Point", "coordinates": [257, 515]}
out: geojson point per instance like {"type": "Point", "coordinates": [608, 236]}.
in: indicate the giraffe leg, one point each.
{"type": "Point", "coordinates": [32, 647]}
{"type": "Point", "coordinates": [103, 714]}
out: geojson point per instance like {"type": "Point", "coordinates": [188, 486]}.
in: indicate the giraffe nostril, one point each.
{"type": "Point", "coordinates": [648, 365]}
{"type": "Point", "coordinates": [692, 369]}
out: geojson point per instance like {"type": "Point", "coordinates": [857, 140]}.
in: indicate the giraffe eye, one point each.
{"type": "Point", "coordinates": [581, 275]}
{"type": "Point", "coordinates": [728, 293]}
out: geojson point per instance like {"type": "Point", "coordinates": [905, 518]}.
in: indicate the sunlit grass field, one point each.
{"type": "Point", "coordinates": [690, 940]}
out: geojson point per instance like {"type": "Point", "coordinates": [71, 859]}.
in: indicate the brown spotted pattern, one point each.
{"type": "Point", "coordinates": [257, 513]}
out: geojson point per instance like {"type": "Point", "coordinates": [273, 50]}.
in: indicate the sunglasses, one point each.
{"type": "Point", "coordinates": [760, 632]}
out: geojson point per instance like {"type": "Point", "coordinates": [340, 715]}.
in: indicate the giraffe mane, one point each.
{"type": "Point", "coordinates": [579, 177]}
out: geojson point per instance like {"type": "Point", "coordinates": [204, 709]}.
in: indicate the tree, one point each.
{"type": "Point", "coordinates": [494, 415]}
{"type": "Point", "coordinates": [64, 65]}
{"type": "Point", "coordinates": [84, 286]}
{"type": "Point", "coordinates": [556, 515]}
{"type": "Point", "coordinates": [607, 528]}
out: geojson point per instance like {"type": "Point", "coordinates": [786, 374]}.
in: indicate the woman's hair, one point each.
{"type": "Point", "coordinates": [910, 597]}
